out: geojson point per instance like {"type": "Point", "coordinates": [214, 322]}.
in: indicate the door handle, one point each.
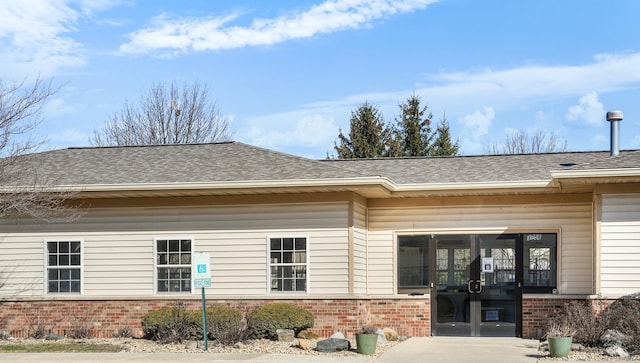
{"type": "Point", "coordinates": [474, 286]}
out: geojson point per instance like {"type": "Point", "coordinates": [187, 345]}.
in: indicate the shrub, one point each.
{"type": "Point", "coordinates": [172, 324]}
{"type": "Point", "coordinates": [578, 317]}
{"type": "Point", "coordinates": [623, 316]}
{"type": "Point", "coordinates": [225, 324]}
{"type": "Point", "coordinates": [266, 319]}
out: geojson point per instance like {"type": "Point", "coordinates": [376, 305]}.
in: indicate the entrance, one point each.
{"type": "Point", "coordinates": [475, 287]}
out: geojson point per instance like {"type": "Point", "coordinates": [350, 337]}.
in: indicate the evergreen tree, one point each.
{"type": "Point", "coordinates": [413, 129]}
{"type": "Point", "coordinates": [368, 136]}
{"type": "Point", "coordinates": [443, 145]}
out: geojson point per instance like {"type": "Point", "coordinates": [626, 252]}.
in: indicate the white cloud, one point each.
{"type": "Point", "coordinates": [464, 97]}
{"type": "Point", "coordinates": [475, 128]}
{"type": "Point", "coordinates": [312, 131]}
{"type": "Point", "coordinates": [588, 109]}
{"type": "Point", "coordinates": [35, 35]}
{"type": "Point", "coordinates": [216, 33]}
{"type": "Point", "coordinates": [478, 122]}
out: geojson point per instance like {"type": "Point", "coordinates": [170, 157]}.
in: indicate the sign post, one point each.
{"type": "Point", "coordinates": [201, 275]}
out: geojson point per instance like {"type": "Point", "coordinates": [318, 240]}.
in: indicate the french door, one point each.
{"type": "Point", "coordinates": [476, 285]}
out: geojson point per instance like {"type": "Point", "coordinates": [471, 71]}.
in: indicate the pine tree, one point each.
{"type": "Point", "coordinates": [368, 137]}
{"type": "Point", "coordinates": [443, 145]}
{"type": "Point", "coordinates": [413, 129]}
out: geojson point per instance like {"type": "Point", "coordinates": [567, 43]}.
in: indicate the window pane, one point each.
{"type": "Point", "coordinates": [75, 247]}
{"type": "Point", "coordinates": [53, 260]}
{"type": "Point", "coordinates": [186, 285]}
{"type": "Point", "coordinates": [65, 274]}
{"type": "Point", "coordinates": [65, 286]}
{"type": "Point", "coordinates": [287, 257]}
{"type": "Point", "coordinates": [300, 257]}
{"type": "Point", "coordinates": [275, 257]}
{"type": "Point", "coordinates": [413, 261]}
{"type": "Point", "coordinates": [185, 258]}
{"type": "Point", "coordinates": [63, 247]}
{"type": "Point", "coordinates": [287, 285]}
{"type": "Point", "coordinates": [301, 285]}
{"type": "Point", "coordinates": [75, 260]}
{"type": "Point", "coordinates": [275, 244]}
{"type": "Point", "coordinates": [63, 260]}
{"type": "Point", "coordinates": [540, 266]}
{"type": "Point", "coordinates": [163, 273]}
{"type": "Point", "coordinates": [301, 244]}
{"type": "Point", "coordinates": [287, 244]}
{"type": "Point", "coordinates": [163, 286]}
{"type": "Point", "coordinates": [185, 245]}
{"type": "Point", "coordinates": [174, 285]}
{"type": "Point", "coordinates": [174, 258]}
{"type": "Point", "coordinates": [75, 274]}
{"type": "Point", "coordinates": [53, 274]}
{"type": "Point", "coordinates": [53, 286]}
{"type": "Point", "coordinates": [174, 245]}
{"type": "Point", "coordinates": [52, 247]}
{"type": "Point", "coordinates": [162, 245]}
{"type": "Point", "coordinates": [75, 286]}
{"type": "Point", "coordinates": [287, 271]}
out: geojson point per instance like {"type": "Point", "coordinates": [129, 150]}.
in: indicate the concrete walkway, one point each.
{"type": "Point", "coordinates": [429, 349]}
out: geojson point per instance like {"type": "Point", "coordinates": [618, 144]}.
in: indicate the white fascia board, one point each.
{"type": "Point", "coordinates": [249, 184]}
{"type": "Point", "coordinates": [594, 173]}
{"type": "Point", "coordinates": [475, 186]}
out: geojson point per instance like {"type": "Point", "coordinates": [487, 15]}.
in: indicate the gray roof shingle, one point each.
{"type": "Point", "coordinates": [234, 162]}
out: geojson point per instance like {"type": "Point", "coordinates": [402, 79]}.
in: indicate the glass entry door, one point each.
{"type": "Point", "coordinates": [475, 292]}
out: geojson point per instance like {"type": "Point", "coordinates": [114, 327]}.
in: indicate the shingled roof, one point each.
{"type": "Point", "coordinates": [238, 165]}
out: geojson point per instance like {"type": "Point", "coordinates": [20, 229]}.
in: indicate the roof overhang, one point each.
{"type": "Point", "coordinates": [368, 187]}
{"type": "Point", "coordinates": [575, 178]}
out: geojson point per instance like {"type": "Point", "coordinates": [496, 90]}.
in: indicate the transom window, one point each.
{"type": "Point", "coordinates": [64, 265]}
{"type": "Point", "coordinates": [288, 264]}
{"type": "Point", "coordinates": [173, 261]}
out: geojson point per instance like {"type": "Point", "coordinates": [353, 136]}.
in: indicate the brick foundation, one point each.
{"type": "Point", "coordinates": [409, 317]}
{"type": "Point", "coordinates": [537, 311]}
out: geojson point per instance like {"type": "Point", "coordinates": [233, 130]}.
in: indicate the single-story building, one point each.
{"type": "Point", "coordinates": [464, 245]}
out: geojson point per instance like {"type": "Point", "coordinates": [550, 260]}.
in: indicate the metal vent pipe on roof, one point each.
{"type": "Point", "coordinates": [615, 117]}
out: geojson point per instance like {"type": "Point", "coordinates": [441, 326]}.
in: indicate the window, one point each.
{"type": "Point", "coordinates": [64, 266]}
{"type": "Point", "coordinates": [173, 261]}
{"type": "Point", "coordinates": [288, 264]}
{"type": "Point", "coordinates": [540, 265]}
{"type": "Point", "coordinates": [413, 262]}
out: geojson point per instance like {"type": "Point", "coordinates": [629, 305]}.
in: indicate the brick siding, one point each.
{"type": "Point", "coordinates": [409, 317]}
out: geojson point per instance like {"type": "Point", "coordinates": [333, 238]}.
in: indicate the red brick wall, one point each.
{"type": "Point", "coordinates": [536, 313]}
{"type": "Point", "coordinates": [408, 317]}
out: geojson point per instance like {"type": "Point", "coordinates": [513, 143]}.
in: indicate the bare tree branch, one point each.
{"type": "Point", "coordinates": [23, 191]}
{"type": "Point", "coordinates": [166, 115]}
{"type": "Point", "coordinates": [522, 142]}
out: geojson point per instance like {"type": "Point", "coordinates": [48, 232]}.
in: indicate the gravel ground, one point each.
{"type": "Point", "coordinates": [252, 346]}
{"type": "Point", "coordinates": [579, 353]}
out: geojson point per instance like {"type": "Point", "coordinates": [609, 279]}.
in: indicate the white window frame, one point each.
{"type": "Point", "coordinates": [156, 265]}
{"type": "Point", "coordinates": [305, 264]}
{"type": "Point", "coordinates": [75, 267]}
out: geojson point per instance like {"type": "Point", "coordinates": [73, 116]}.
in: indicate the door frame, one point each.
{"type": "Point", "coordinates": [475, 299]}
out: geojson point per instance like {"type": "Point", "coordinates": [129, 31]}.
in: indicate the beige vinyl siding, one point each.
{"type": "Point", "coordinates": [620, 245]}
{"type": "Point", "coordinates": [118, 253]}
{"type": "Point", "coordinates": [360, 249]}
{"type": "Point", "coordinates": [21, 266]}
{"type": "Point", "coordinates": [572, 221]}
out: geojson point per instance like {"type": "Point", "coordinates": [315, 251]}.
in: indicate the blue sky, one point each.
{"type": "Point", "coordinates": [287, 74]}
